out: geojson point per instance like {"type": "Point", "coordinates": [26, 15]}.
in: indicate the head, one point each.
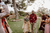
{"type": "Point", "coordinates": [47, 17]}
{"type": "Point", "coordinates": [27, 14]}
{"type": "Point", "coordinates": [32, 11]}
{"type": "Point", "coordinates": [0, 0]}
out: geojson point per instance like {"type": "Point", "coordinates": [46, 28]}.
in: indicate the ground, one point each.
{"type": "Point", "coordinates": [16, 27]}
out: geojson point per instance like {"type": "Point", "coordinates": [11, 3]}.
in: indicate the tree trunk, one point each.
{"type": "Point", "coordinates": [16, 12]}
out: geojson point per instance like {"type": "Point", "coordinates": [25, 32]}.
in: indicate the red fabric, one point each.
{"type": "Point", "coordinates": [3, 20]}
{"type": "Point", "coordinates": [33, 18]}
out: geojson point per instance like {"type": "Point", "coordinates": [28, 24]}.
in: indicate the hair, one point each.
{"type": "Point", "coordinates": [32, 10]}
{"type": "Point", "coordinates": [0, 1]}
{"type": "Point", "coordinates": [27, 14]}
{"type": "Point", "coordinates": [47, 15]}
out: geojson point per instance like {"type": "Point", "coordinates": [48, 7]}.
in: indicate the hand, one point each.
{"type": "Point", "coordinates": [38, 11]}
{"type": "Point", "coordinates": [8, 14]}
{"type": "Point", "coordinates": [31, 23]}
{"type": "Point", "coordinates": [7, 25]}
{"type": "Point", "coordinates": [2, 11]}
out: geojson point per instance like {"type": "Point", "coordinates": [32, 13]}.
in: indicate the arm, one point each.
{"type": "Point", "coordinates": [40, 12]}
{"type": "Point", "coordinates": [23, 25]}
{"type": "Point", "coordinates": [42, 20]}
{"type": "Point", "coordinates": [35, 17]}
{"type": "Point", "coordinates": [4, 13]}
{"type": "Point", "coordinates": [30, 18]}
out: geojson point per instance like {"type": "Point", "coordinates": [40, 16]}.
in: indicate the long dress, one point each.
{"type": "Point", "coordinates": [26, 25]}
{"type": "Point", "coordinates": [42, 26]}
{"type": "Point", "coordinates": [47, 27]}
{"type": "Point", "coordinates": [2, 15]}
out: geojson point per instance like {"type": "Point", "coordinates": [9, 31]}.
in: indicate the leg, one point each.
{"type": "Point", "coordinates": [32, 27]}
{"type": "Point", "coordinates": [35, 27]}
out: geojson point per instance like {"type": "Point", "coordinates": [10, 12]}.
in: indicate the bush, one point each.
{"type": "Point", "coordinates": [21, 13]}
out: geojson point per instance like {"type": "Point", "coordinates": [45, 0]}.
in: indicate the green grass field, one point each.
{"type": "Point", "coordinates": [16, 27]}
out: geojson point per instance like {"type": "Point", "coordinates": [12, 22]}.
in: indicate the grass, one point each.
{"type": "Point", "coordinates": [16, 27]}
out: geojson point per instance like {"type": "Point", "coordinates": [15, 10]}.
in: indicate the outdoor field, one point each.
{"type": "Point", "coordinates": [16, 27]}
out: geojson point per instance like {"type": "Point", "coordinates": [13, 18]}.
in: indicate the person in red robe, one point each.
{"type": "Point", "coordinates": [33, 19]}
{"type": "Point", "coordinates": [4, 23]}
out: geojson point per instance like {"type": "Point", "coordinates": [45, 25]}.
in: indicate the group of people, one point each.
{"type": "Point", "coordinates": [44, 26]}
{"type": "Point", "coordinates": [4, 12]}
{"type": "Point", "coordinates": [26, 25]}
{"type": "Point", "coordinates": [45, 23]}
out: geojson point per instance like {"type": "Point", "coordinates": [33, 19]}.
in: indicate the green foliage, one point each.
{"type": "Point", "coordinates": [38, 14]}
{"type": "Point", "coordinates": [42, 10]}
{"type": "Point", "coordinates": [11, 12]}
{"type": "Point", "coordinates": [7, 2]}
{"type": "Point", "coordinates": [22, 13]}
{"type": "Point", "coordinates": [31, 0]}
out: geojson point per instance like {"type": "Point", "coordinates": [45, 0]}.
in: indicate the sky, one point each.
{"type": "Point", "coordinates": [36, 5]}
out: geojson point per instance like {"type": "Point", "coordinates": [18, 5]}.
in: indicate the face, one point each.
{"type": "Point", "coordinates": [32, 12]}
{"type": "Point", "coordinates": [27, 15]}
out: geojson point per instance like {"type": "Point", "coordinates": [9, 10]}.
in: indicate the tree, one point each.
{"type": "Point", "coordinates": [43, 10]}
{"type": "Point", "coordinates": [19, 5]}
{"type": "Point", "coordinates": [16, 11]}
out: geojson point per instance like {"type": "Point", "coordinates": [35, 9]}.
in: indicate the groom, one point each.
{"type": "Point", "coordinates": [33, 19]}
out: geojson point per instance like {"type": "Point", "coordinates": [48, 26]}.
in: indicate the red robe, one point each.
{"type": "Point", "coordinates": [3, 24]}
{"type": "Point", "coordinates": [33, 18]}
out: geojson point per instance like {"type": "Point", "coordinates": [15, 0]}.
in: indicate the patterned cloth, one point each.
{"type": "Point", "coordinates": [33, 18]}
{"type": "Point", "coordinates": [26, 19]}
{"type": "Point", "coordinates": [3, 23]}
{"type": "Point", "coordinates": [26, 25]}
{"type": "Point", "coordinates": [2, 15]}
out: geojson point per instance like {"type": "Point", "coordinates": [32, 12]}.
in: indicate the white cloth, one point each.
{"type": "Point", "coordinates": [2, 3]}
{"type": "Point", "coordinates": [26, 27]}
{"type": "Point", "coordinates": [2, 15]}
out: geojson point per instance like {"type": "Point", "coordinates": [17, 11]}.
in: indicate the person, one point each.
{"type": "Point", "coordinates": [47, 25]}
{"type": "Point", "coordinates": [2, 15]}
{"type": "Point", "coordinates": [43, 18]}
{"type": "Point", "coordinates": [33, 19]}
{"type": "Point", "coordinates": [4, 23]}
{"type": "Point", "coordinates": [26, 25]}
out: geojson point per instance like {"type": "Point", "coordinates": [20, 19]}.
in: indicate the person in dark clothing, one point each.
{"type": "Point", "coordinates": [43, 18]}
{"type": "Point", "coordinates": [42, 26]}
